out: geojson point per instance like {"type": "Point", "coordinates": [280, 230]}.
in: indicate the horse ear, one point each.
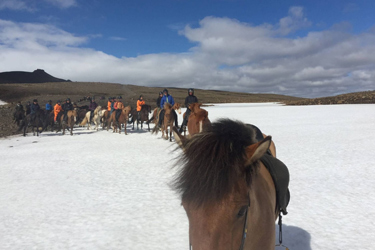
{"type": "Point", "coordinates": [180, 139]}
{"type": "Point", "coordinates": [255, 151]}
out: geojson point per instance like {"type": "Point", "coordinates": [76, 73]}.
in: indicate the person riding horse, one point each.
{"type": "Point", "coordinates": [49, 107]}
{"type": "Point", "coordinates": [140, 103]}
{"type": "Point", "coordinates": [33, 109]}
{"type": "Point", "coordinates": [28, 108]}
{"type": "Point", "coordinates": [118, 106]}
{"type": "Point", "coordinates": [66, 107]}
{"type": "Point", "coordinates": [57, 109]}
{"type": "Point", "coordinates": [110, 105]}
{"type": "Point", "coordinates": [92, 107]}
{"type": "Point", "coordinates": [166, 99]}
{"type": "Point", "coordinates": [191, 98]}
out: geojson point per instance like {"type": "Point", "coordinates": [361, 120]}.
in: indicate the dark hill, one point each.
{"type": "Point", "coordinates": [37, 76]}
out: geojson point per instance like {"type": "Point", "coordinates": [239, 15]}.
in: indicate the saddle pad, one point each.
{"type": "Point", "coordinates": [279, 173]}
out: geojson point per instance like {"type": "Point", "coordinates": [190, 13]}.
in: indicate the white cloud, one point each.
{"type": "Point", "coordinates": [117, 38]}
{"type": "Point", "coordinates": [229, 55]}
{"type": "Point", "coordinates": [14, 5]}
{"type": "Point", "coordinates": [63, 3]}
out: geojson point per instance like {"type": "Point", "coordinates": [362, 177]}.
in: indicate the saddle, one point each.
{"type": "Point", "coordinates": [279, 173]}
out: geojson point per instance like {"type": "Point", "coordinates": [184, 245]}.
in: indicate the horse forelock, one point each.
{"type": "Point", "coordinates": [213, 162]}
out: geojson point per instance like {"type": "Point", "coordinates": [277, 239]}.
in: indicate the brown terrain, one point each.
{"type": "Point", "coordinates": [13, 92]}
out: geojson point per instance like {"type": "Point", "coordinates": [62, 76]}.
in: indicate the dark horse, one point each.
{"type": "Point", "coordinates": [40, 121]}
{"type": "Point", "coordinates": [228, 189]}
{"type": "Point", "coordinates": [18, 116]}
{"type": "Point", "coordinates": [146, 109]}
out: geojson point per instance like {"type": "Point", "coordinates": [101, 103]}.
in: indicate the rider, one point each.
{"type": "Point", "coordinates": [118, 107]}
{"type": "Point", "coordinates": [140, 103]}
{"type": "Point", "coordinates": [191, 98]}
{"type": "Point", "coordinates": [19, 108]}
{"type": "Point", "coordinates": [113, 105]}
{"type": "Point", "coordinates": [49, 106]}
{"type": "Point", "coordinates": [66, 107]}
{"type": "Point", "coordinates": [33, 109]}
{"type": "Point", "coordinates": [28, 108]}
{"type": "Point", "coordinates": [57, 109]}
{"type": "Point", "coordinates": [166, 99]}
{"type": "Point", "coordinates": [92, 107]}
{"type": "Point", "coordinates": [159, 99]}
{"type": "Point", "coordinates": [109, 104]}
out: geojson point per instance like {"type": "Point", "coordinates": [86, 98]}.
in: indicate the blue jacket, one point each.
{"type": "Point", "coordinates": [48, 107]}
{"type": "Point", "coordinates": [166, 99]}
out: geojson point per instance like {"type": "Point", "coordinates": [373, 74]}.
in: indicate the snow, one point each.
{"type": "Point", "coordinates": [99, 190]}
{"type": "Point", "coordinates": [2, 102]}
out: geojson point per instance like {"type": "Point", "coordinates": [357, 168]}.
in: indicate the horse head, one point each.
{"type": "Point", "coordinates": [177, 107]}
{"type": "Point", "coordinates": [195, 107]}
{"type": "Point", "coordinates": [225, 190]}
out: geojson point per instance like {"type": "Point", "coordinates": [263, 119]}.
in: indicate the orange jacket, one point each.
{"type": "Point", "coordinates": [119, 105]}
{"type": "Point", "coordinates": [57, 109]}
{"type": "Point", "coordinates": [140, 104]}
{"type": "Point", "coordinates": [109, 106]}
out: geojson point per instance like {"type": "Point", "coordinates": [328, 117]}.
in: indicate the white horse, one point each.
{"type": "Point", "coordinates": [98, 113]}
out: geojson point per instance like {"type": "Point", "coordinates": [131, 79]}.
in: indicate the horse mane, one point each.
{"type": "Point", "coordinates": [213, 161]}
{"type": "Point", "coordinates": [97, 109]}
{"type": "Point", "coordinates": [167, 106]}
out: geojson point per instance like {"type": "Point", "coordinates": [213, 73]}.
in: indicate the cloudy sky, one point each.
{"type": "Point", "coordinates": [301, 48]}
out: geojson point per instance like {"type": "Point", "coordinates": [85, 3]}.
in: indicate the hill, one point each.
{"type": "Point", "coordinates": [37, 76]}
{"type": "Point", "coordinates": [350, 98]}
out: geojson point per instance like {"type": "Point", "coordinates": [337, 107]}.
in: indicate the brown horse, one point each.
{"type": "Point", "coordinates": [146, 109]}
{"type": "Point", "coordinates": [123, 119]}
{"type": "Point", "coordinates": [226, 188]}
{"type": "Point", "coordinates": [69, 122]}
{"type": "Point", "coordinates": [198, 119]}
{"type": "Point", "coordinates": [105, 118]}
{"type": "Point", "coordinates": [155, 116]}
{"type": "Point", "coordinates": [167, 122]}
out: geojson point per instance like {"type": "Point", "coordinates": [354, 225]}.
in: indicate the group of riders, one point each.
{"type": "Point", "coordinates": [115, 104]}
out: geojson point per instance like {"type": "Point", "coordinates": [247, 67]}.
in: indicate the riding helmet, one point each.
{"type": "Point", "coordinates": [68, 99]}
{"type": "Point", "coordinates": [35, 100]}
{"type": "Point", "coordinates": [165, 91]}
{"type": "Point", "coordinates": [191, 90]}
{"type": "Point", "coordinates": [161, 92]}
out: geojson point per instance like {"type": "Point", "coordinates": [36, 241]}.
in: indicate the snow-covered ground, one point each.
{"type": "Point", "coordinates": [2, 102]}
{"type": "Point", "coordinates": [99, 190]}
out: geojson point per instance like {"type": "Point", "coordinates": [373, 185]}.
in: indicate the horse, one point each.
{"type": "Point", "coordinates": [40, 121]}
{"type": "Point", "coordinates": [167, 122]}
{"type": "Point", "coordinates": [81, 115]}
{"type": "Point", "coordinates": [123, 118]}
{"type": "Point", "coordinates": [145, 110]}
{"type": "Point", "coordinates": [71, 119]}
{"type": "Point", "coordinates": [198, 119]}
{"type": "Point", "coordinates": [96, 118]}
{"type": "Point", "coordinates": [230, 196]}
{"type": "Point", "coordinates": [155, 116]}
{"type": "Point", "coordinates": [18, 116]}
{"type": "Point", "coordinates": [104, 118]}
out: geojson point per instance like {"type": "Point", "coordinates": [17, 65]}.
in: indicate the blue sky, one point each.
{"type": "Point", "coordinates": [300, 48]}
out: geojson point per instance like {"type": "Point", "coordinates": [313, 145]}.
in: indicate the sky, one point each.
{"type": "Point", "coordinates": [299, 48]}
{"type": "Point", "coordinates": [80, 192]}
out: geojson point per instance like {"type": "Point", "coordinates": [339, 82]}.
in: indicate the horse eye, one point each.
{"type": "Point", "coordinates": [242, 211]}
